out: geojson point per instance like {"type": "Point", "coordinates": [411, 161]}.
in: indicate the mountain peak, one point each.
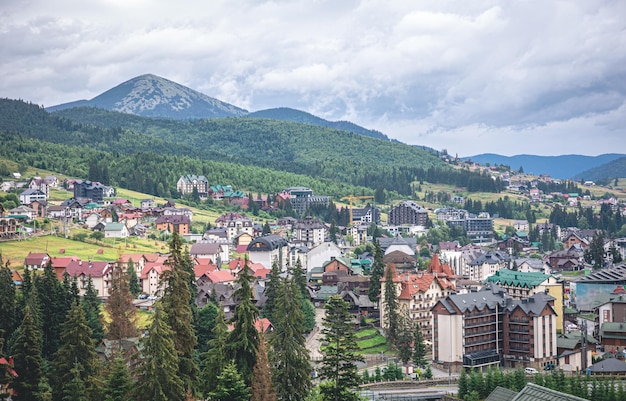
{"type": "Point", "coordinates": [150, 95]}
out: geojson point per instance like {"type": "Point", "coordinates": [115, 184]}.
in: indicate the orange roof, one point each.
{"type": "Point", "coordinates": [150, 257]}
{"type": "Point", "coordinates": [237, 264]}
{"type": "Point", "coordinates": [202, 261]}
{"type": "Point", "coordinates": [220, 276]}
{"type": "Point", "coordinates": [413, 284]}
{"type": "Point", "coordinates": [62, 261]}
{"type": "Point", "coordinates": [435, 266]}
{"type": "Point", "coordinates": [204, 269]}
{"type": "Point", "coordinates": [158, 267]}
{"type": "Point", "coordinates": [262, 273]}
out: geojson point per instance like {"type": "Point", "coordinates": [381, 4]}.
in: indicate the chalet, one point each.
{"type": "Point", "coordinates": [93, 219]}
{"type": "Point", "coordinates": [89, 190]}
{"type": "Point", "coordinates": [23, 210]}
{"type": "Point", "coordinates": [116, 230]}
{"type": "Point", "coordinates": [31, 195]}
{"type": "Point", "coordinates": [209, 250]}
{"type": "Point", "coordinates": [150, 277]}
{"type": "Point", "coordinates": [36, 261]}
{"type": "Point", "coordinates": [100, 273]}
{"type": "Point", "coordinates": [179, 223]}
{"type": "Point", "coordinates": [60, 264]}
{"type": "Point", "coordinates": [189, 183]}
{"type": "Point", "coordinates": [269, 249]}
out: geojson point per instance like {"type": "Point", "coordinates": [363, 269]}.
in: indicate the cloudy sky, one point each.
{"type": "Point", "coordinates": [507, 77]}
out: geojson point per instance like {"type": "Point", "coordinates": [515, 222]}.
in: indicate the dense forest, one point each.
{"type": "Point", "coordinates": [263, 155]}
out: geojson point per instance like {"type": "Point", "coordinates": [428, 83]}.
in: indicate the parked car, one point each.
{"type": "Point", "coordinates": [530, 371]}
{"type": "Point", "coordinates": [549, 366]}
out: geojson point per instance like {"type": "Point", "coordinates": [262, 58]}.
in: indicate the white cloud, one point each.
{"type": "Point", "coordinates": [475, 75]}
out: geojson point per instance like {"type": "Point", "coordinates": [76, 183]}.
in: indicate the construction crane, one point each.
{"type": "Point", "coordinates": [351, 198]}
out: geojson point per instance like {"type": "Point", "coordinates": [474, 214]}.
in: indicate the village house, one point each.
{"type": "Point", "coordinates": [269, 249]}
{"type": "Point", "coordinates": [31, 195]}
{"type": "Point", "coordinates": [100, 273]}
{"type": "Point", "coordinates": [36, 261]}
{"type": "Point", "coordinates": [170, 223]}
{"type": "Point", "coordinates": [116, 230]}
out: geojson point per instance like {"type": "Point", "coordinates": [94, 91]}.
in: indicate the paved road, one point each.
{"type": "Point", "coordinates": [314, 339]}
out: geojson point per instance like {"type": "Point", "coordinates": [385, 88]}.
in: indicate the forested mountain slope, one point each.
{"type": "Point", "coordinates": [323, 155]}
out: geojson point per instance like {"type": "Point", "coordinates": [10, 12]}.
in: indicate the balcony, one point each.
{"type": "Point", "coordinates": [480, 342]}
{"type": "Point", "coordinates": [479, 323]}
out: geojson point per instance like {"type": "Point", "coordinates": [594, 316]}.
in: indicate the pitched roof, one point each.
{"type": "Point", "coordinates": [159, 267]}
{"type": "Point", "coordinates": [534, 392]}
{"type": "Point", "coordinates": [94, 269]}
{"type": "Point", "coordinates": [610, 365]}
{"type": "Point", "coordinates": [204, 269]}
{"type": "Point", "coordinates": [205, 248]}
{"type": "Point", "coordinates": [220, 276]}
{"type": "Point", "coordinates": [114, 227]}
{"type": "Point", "coordinates": [35, 258]}
{"type": "Point", "coordinates": [501, 394]}
{"type": "Point", "coordinates": [518, 279]}
{"type": "Point", "coordinates": [172, 219]}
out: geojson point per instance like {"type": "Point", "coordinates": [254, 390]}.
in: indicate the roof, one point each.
{"type": "Point", "coordinates": [93, 269]}
{"type": "Point", "coordinates": [534, 392]}
{"type": "Point", "coordinates": [114, 227]}
{"type": "Point", "coordinates": [267, 243]}
{"type": "Point", "coordinates": [172, 219]}
{"type": "Point", "coordinates": [518, 279]}
{"type": "Point", "coordinates": [200, 270]}
{"type": "Point", "coordinates": [205, 248]}
{"type": "Point", "coordinates": [220, 276]}
{"type": "Point", "coordinates": [610, 365]}
{"type": "Point", "coordinates": [501, 394]}
{"type": "Point", "coordinates": [35, 258]}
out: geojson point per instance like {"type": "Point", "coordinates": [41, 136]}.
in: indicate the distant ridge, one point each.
{"type": "Point", "coordinates": [153, 96]}
{"type": "Point", "coordinates": [613, 169]}
{"type": "Point", "coordinates": [563, 167]}
{"type": "Point", "coordinates": [298, 116]}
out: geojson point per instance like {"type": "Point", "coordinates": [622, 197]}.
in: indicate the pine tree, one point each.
{"type": "Point", "coordinates": [404, 342]}
{"type": "Point", "coordinates": [390, 305]}
{"type": "Point", "coordinates": [262, 386]}
{"type": "Point", "coordinates": [243, 340]}
{"type": "Point", "coordinates": [214, 359]}
{"type": "Point", "coordinates": [340, 355]}
{"type": "Point", "coordinates": [133, 280]}
{"type": "Point", "coordinates": [157, 363]}
{"type": "Point", "coordinates": [463, 385]}
{"type": "Point", "coordinates": [52, 303]}
{"type": "Point", "coordinates": [230, 386]}
{"type": "Point", "coordinates": [176, 300]}
{"type": "Point", "coordinates": [118, 383]}
{"type": "Point", "coordinates": [119, 306]}
{"type": "Point", "coordinates": [77, 348]}
{"type": "Point", "coordinates": [206, 323]}
{"type": "Point", "coordinates": [290, 356]}
{"type": "Point", "coordinates": [8, 314]}
{"type": "Point", "coordinates": [27, 358]}
{"type": "Point", "coordinates": [74, 389]}
{"type": "Point", "coordinates": [91, 304]}
{"type": "Point", "coordinates": [377, 272]}
{"type": "Point", "coordinates": [419, 347]}
{"type": "Point", "coordinates": [272, 288]}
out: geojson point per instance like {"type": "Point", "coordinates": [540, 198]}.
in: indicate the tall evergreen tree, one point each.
{"type": "Point", "coordinates": [8, 303]}
{"type": "Point", "coordinates": [214, 359]}
{"type": "Point", "coordinates": [91, 303]}
{"type": "Point", "coordinates": [119, 306]}
{"type": "Point", "coordinates": [206, 323]}
{"type": "Point", "coordinates": [75, 389]}
{"type": "Point", "coordinates": [419, 347]}
{"type": "Point", "coordinates": [133, 280]}
{"type": "Point", "coordinates": [230, 386]}
{"type": "Point", "coordinates": [390, 305]}
{"type": "Point", "coordinates": [52, 302]}
{"type": "Point", "coordinates": [262, 386]}
{"type": "Point", "coordinates": [243, 340]}
{"type": "Point", "coordinates": [77, 348]}
{"type": "Point", "coordinates": [272, 288]}
{"type": "Point", "coordinates": [119, 383]}
{"type": "Point", "coordinates": [157, 364]}
{"type": "Point", "coordinates": [27, 358]}
{"type": "Point", "coordinates": [405, 339]}
{"type": "Point", "coordinates": [177, 301]}
{"type": "Point", "coordinates": [290, 356]}
{"type": "Point", "coordinates": [340, 356]}
{"type": "Point", "coordinates": [377, 272]}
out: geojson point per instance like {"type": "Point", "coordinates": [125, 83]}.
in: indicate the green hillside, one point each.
{"type": "Point", "coordinates": [148, 155]}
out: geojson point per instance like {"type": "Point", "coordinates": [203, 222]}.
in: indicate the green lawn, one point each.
{"type": "Point", "coordinates": [16, 251]}
{"type": "Point", "coordinates": [366, 333]}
